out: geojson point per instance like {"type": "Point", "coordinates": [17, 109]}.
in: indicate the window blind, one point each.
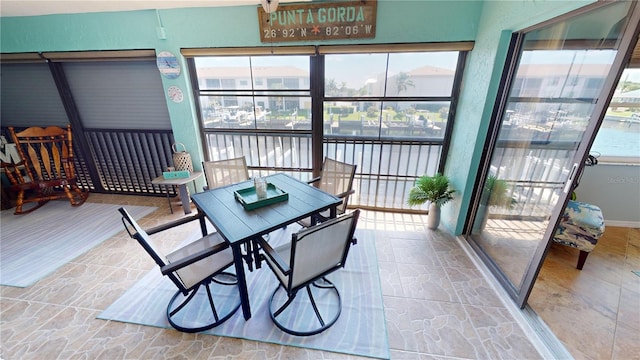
{"type": "Point", "coordinates": [118, 94]}
{"type": "Point", "coordinates": [29, 96]}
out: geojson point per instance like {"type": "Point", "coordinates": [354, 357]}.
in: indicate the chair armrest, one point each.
{"type": "Point", "coordinates": [273, 255]}
{"type": "Point", "coordinates": [346, 193]}
{"type": "Point", "coordinates": [314, 180]}
{"type": "Point", "coordinates": [171, 267]}
{"type": "Point", "coordinates": [175, 223]}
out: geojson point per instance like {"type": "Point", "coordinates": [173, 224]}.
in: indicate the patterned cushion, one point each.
{"type": "Point", "coordinates": [581, 226]}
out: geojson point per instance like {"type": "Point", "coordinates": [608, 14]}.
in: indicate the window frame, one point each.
{"type": "Point", "coordinates": [320, 144]}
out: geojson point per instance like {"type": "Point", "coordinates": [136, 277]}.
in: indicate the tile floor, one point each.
{"type": "Point", "coordinates": [438, 305]}
{"type": "Point", "coordinates": [594, 312]}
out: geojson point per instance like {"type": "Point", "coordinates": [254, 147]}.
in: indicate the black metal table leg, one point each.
{"type": "Point", "coordinates": [242, 281]}
{"type": "Point", "coordinates": [256, 253]}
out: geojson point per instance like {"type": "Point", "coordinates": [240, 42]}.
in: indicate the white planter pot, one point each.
{"type": "Point", "coordinates": [433, 220]}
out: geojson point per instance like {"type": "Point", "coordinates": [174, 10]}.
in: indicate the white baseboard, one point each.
{"type": "Point", "coordinates": [626, 224]}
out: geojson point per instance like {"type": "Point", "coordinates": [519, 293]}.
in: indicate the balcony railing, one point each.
{"type": "Point", "coordinates": [386, 169]}
{"type": "Point", "coordinates": [547, 162]}
{"type": "Point", "coordinates": [126, 161]}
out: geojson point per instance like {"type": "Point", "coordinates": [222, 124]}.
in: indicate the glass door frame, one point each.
{"type": "Point", "coordinates": [625, 49]}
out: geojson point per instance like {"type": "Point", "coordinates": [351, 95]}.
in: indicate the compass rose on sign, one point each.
{"type": "Point", "coordinates": [315, 30]}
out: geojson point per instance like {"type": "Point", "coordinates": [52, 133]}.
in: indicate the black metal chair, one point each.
{"type": "Point", "coordinates": [199, 264]}
{"type": "Point", "coordinates": [336, 178]}
{"type": "Point", "coordinates": [304, 263]}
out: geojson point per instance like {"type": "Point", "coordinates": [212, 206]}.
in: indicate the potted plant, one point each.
{"type": "Point", "coordinates": [494, 194]}
{"type": "Point", "coordinates": [435, 190]}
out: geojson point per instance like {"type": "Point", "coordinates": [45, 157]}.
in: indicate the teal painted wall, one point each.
{"type": "Point", "coordinates": [397, 22]}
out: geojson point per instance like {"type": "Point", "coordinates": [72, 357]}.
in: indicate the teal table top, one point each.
{"type": "Point", "coordinates": [236, 224]}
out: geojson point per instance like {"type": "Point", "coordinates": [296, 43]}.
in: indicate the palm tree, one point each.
{"type": "Point", "coordinates": [403, 82]}
{"type": "Point", "coordinates": [331, 87]}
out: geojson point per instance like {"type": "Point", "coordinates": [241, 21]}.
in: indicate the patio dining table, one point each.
{"type": "Point", "coordinates": [241, 227]}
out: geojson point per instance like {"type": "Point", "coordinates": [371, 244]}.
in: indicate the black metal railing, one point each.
{"type": "Point", "coordinates": [386, 169]}
{"type": "Point", "coordinates": [535, 172]}
{"type": "Point", "coordinates": [127, 160]}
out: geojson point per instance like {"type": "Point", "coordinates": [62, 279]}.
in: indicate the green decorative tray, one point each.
{"type": "Point", "coordinates": [176, 174]}
{"type": "Point", "coordinates": [250, 201]}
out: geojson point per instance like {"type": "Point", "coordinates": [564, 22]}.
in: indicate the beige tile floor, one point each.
{"type": "Point", "coordinates": [437, 303]}
{"type": "Point", "coordinates": [594, 312]}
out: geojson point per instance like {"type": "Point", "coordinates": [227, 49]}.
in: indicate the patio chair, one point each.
{"type": "Point", "coordinates": [336, 178]}
{"type": "Point", "coordinates": [225, 172]}
{"type": "Point", "coordinates": [303, 264]}
{"type": "Point", "coordinates": [580, 227]}
{"type": "Point", "coordinates": [197, 265]}
{"type": "Point", "coordinates": [46, 171]}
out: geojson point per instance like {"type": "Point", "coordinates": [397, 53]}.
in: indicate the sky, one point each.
{"type": "Point", "coordinates": [581, 57]}
{"type": "Point", "coordinates": [354, 69]}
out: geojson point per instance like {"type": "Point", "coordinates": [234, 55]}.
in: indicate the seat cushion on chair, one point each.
{"type": "Point", "coordinates": [581, 226]}
{"type": "Point", "coordinates": [284, 251]}
{"type": "Point", "coordinates": [200, 270]}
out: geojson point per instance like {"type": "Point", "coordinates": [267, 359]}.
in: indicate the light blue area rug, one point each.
{"type": "Point", "coordinates": [36, 244]}
{"type": "Point", "coordinates": [360, 330]}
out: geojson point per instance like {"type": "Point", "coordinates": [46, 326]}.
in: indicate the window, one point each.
{"type": "Point", "coordinates": [618, 138]}
{"type": "Point", "coordinates": [555, 114]}
{"type": "Point", "coordinates": [386, 109]}
{"type": "Point", "coordinates": [256, 92]}
{"type": "Point", "coordinates": [212, 84]}
{"type": "Point", "coordinates": [389, 94]}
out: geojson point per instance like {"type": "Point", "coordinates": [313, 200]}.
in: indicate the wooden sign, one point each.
{"type": "Point", "coordinates": [323, 21]}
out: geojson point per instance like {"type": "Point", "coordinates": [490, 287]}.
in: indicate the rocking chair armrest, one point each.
{"type": "Point", "coordinates": [171, 267]}
{"type": "Point", "coordinates": [175, 223]}
{"type": "Point", "coordinates": [273, 255]}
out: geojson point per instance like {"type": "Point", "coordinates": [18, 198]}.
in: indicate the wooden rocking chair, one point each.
{"type": "Point", "coordinates": [47, 169]}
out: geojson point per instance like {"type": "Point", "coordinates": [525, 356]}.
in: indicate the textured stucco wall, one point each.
{"type": "Point", "coordinates": [615, 188]}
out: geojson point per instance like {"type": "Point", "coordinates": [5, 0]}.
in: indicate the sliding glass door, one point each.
{"type": "Point", "coordinates": [556, 92]}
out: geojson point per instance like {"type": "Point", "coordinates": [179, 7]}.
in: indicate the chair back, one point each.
{"type": "Point", "coordinates": [337, 178]}
{"type": "Point", "coordinates": [321, 249]}
{"type": "Point", "coordinates": [47, 154]}
{"type": "Point", "coordinates": [136, 232]}
{"type": "Point", "coordinates": [225, 172]}
{"type": "Point", "coordinates": [190, 268]}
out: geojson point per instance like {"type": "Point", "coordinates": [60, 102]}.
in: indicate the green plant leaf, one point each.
{"type": "Point", "coordinates": [434, 189]}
